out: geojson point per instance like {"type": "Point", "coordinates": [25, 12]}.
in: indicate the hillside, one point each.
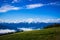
{"type": "Point", "coordinates": [45, 34]}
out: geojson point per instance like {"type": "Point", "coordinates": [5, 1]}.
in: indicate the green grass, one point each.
{"type": "Point", "coordinates": [45, 34]}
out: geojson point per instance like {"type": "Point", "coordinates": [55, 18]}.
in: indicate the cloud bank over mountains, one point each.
{"type": "Point", "coordinates": [3, 31]}
{"type": "Point", "coordinates": [29, 20]}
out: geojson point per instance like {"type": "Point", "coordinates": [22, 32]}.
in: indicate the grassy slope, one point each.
{"type": "Point", "coordinates": [45, 34]}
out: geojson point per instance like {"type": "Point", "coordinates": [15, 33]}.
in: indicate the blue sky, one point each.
{"type": "Point", "coordinates": [29, 10]}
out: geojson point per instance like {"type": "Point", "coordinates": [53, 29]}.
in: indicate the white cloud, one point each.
{"type": "Point", "coordinates": [15, 1]}
{"type": "Point", "coordinates": [8, 8]}
{"type": "Point", "coordinates": [1, 20]}
{"type": "Point", "coordinates": [31, 6]}
{"type": "Point", "coordinates": [29, 20]}
{"type": "Point", "coordinates": [42, 20]}
{"type": "Point", "coordinates": [26, 29]}
{"type": "Point", "coordinates": [54, 3]}
{"type": "Point", "coordinates": [34, 6]}
{"type": "Point", "coordinates": [2, 31]}
{"type": "Point", "coordinates": [51, 20]}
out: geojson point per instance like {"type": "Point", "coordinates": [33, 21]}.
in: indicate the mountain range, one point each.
{"type": "Point", "coordinates": [25, 26]}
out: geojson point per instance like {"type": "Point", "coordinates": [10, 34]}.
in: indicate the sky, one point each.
{"type": "Point", "coordinates": [29, 10]}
